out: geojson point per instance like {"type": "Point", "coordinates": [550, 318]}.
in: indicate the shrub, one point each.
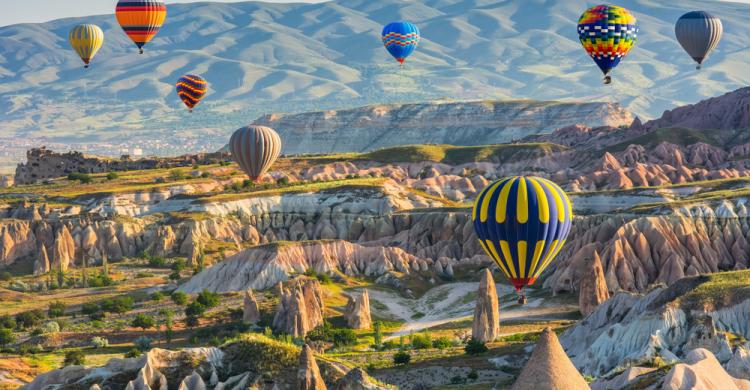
{"type": "Point", "coordinates": [112, 176]}
{"type": "Point", "coordinates": [324, 278]}
{"type": "Point", "coordinates": [82, 177]}
{"type": "Point", "coordinates": [205, 175]}
{"type": "Point", "coordinates": [56, 309]}
{"type": "Point", "coordinates": [99, 342]}
{"type": "Point", "coordinates": [282, 181]}
{"type": "Point", "coordinates": [247, 183]}
{"type": "Point", "coordinates": [133, 353]}
{"type": "Point", "coordinates": [191, 321]}
{"type": "Point", "coordinates": [100, 280]}
{"type": "Point", "coordinates": [176, 174]}
{"type": "Point", "coordinates": [29, 319]}
{"type": "Point", "coordinates": [157, 296]}
{"type": "Point", "coordinates": [474, 347]}
{"type": "Point", "coordinates": [195, 309]}
{"type": "Point", "coordinates": [179, 298]}
{"type": "Point", "coordinates": [421, 341]}
{"type": "Point", "coordinates": [473, 375]}
{"type": "Point", "coordinates": [89, 308]}
{"type": "Point", "coordinates": [457, 380]}
{"type": "Point", "coordinates": [7, 337]}
{"type": "Point", "coordinates": [50, 327]}
{"type": "Point", "coordinates": [7, 322]}
{"type": "Point", "coordinates": [401, 358]}
{"type": "Point", "coordinates": [157, 262]}
{"type": "Point", "coordinates": [74, 358]}
{"type": "Point", "coordinates": [179, 265]}
{"type": "Point", "coordinates": [160, 180]}
{"type": "Point", "coordinates": [143, 343]}
{"type": "Point", "coordinates": [6, 276]}
{"type": "Point", "coordinates": [143, 321]}
{"type": "Point", "coordinates": [442, 342]}
{"type": "Point", "coordinates": [208, 299]}
{"type": "Point", "coordinates": [118, 305]}
{"type": "Point", "coordinates": [175, 276]}
{"type": "Point", "coordinates": [338, 336]}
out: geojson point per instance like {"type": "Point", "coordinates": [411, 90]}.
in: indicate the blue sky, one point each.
{"type": "Point", "coordinates": [34, 11]}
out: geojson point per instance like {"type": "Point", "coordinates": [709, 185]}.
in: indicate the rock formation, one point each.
{"type": "Point", "coordinates": [739, 365]}
{"type": "Point", "coordinates": [462, 123]}
{"type": "Point", "coordinates": [549, 368]}
{"type": "Point", "coordinates": [357, 311]}
{"type": "Point", "coordinates": [593, 290]}
{"type": "Point", "coordinates": [357, 379]}
{"type": "Point", "coordinates": [192, 382]}
{"type": "Point", "coordinates": [486, 325]}
{"type": "Point", "coordinates": [308, 374]}
{"type": "Point", "coordinates": [250, 309]}
{"type": "Point", "coordinates": [300, 309]}
{"type": "Point", "coordinates": [701, 371]}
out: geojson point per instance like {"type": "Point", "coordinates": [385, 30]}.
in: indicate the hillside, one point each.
{"type": "Point", "coordinates": [261, 58]}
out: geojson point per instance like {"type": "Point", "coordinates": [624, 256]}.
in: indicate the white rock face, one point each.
{"type": "Point", "coordinates": [739, 365]}
{"type": "Point", "coordinates": [465, 123]}
{"type": "Point", "coordinates": [701, 371]}
{"type": "Point", "coordinates": [261, 268]}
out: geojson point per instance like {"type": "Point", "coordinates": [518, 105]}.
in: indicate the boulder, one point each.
{"type": "Point", "coordinates": [549, 368]}
{"type": "Point", "coordinates": [357, 311]}
{"type": "Point", "coordinates": [308, 373]}
{"type": "Point", "coordinates": [486, 325]}
{"type": "Point", "coordinates": [593, 290]}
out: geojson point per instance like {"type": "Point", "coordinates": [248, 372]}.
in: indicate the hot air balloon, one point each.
{"type": "Point", "coordinates": [255, 149]}
{"type": "Point", "coordinates": [699, 33]}
{"type": "Point", "coordinates": [400, 39]}
{"type": "Point", "coordinates": [86, 40]}
{"type": "Point", "coordinates": [607, 32]}
{"type": "Point", "coordinates": [522, 223]}
{"type": "Point", "coordinates": [141, 19]}
{"type": "Point", "coordinates": [191, 89]}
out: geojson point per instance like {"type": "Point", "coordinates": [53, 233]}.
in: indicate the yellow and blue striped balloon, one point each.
{"type": "Point", "coordinates": [522, 223]}
{"type": "Point", "coordinates": [86, 40]}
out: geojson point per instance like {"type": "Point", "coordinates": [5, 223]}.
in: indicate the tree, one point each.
{"type": "Point", "coordinates": [7, 337]}
{"type": "Point", "coordinates": [7, 322]}
{"type": "Point", "coordinates": [208, 299]}
{"type": "Point", "coordinates": [378, 334]}
{"type": "Point", "coordinates": [168, 325]}
{"type": "Point", "coordinates": [56, 309]}
{"type": "Point", "coordinates": [442, 342]}
{"type": "Point", "coordinates": [74, 358]}
{"type": "Point", "coordinates": [191, 321]}
{"type": "Point", "coordinates": [133, 353]}
{"type": "Point", "coordinates": [29, 319]}
{"type": "Point", "coordinates": [6, 276]}
{"type": "Point", "coordinates": [112, 176]}
{"type": "Point", "coordinates": [401, 358]}
{"type": "Point", "coordinates": [99, 342]}
{"type": "Point", "coordinates": [89, 308]}
{"type": "Point", "coordinates": [195, 309]}
{"type": "Point", "coordinates": [473, 375]}
{"type": "Point", "coordinates": [143, 343]}
{"type": "Point", "coordinates": [179, 298]}
{"type": "Point", "coordinates": [474, 347]}
{"type": "Point", "coordinates": [118, 305]}
{"type": "Point", "coordinates": [143, 321]}
{"type": "Point", "coordinates": [421, 341]}
{"type": "Point", "coordinates": [157, 296]}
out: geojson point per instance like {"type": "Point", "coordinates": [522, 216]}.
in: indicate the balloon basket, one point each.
{"type": "Point", "coordinates": [607, 80]}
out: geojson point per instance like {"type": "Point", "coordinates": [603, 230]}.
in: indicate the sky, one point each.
{"type": "Point", "coordinates": [35, 11]}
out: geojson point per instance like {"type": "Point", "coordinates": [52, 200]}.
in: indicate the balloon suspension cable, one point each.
{"type": "Point", "coordinates": [607, 80]}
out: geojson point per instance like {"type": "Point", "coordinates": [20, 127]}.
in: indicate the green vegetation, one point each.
{"type": "Point", "coordinates": [475, 347]}
{"type": "Point", "coordinates": [74, 358]}
{"type": "Point", "coordinates": [297, 188]}
{"type": "Point", "coordinates": [56, 309]}
{"type": "Point", "coordinates": [179, 298]}
{"type": "Point", "coordinates": [401, 358]}
{"type": "Point", "coordinates": [82, 177]}
{"type": "Point", "coordinates": [717, 290]}
{"type": "Point", "coordinates": [455, 155]}
{"type": "Point", "coordinates": [676, 135]}
{"type": "Point", "coordinates": [338, 336]}
{"type": "Point", "coordinates": [143, 321]}
{"type": "Point", "coordinates": [7, 337]}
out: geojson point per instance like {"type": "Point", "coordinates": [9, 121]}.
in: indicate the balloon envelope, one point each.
{"type": "Point", "coordinates": [86, 40]}
{"type": "Point", "coordinates": [141, 19]}
{"type": "Point", "coordinates": [522, 223]}
{"type": "Point", "coordinates": [400, 39]}
{"type": "Point", "coordinates": [255, 149]}
{"type": "Point", "coordinates": [607, 33]}
{"type": "Point", "coordinates": [699, 33]}
{"type": "Point", "coordinates": [191, 89]}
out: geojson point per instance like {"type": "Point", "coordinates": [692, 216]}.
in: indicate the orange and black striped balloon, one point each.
{"type": "Point", "coordinates": [191, 89]}
{"type": "Point", "coordinates": [141, 19]}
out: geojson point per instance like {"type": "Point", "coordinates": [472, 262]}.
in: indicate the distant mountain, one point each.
{"type": "Point", "coordinates": [262, 58]}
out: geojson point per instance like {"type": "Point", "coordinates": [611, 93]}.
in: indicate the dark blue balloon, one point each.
{"type": "Point", "coordinates": [401, 38]}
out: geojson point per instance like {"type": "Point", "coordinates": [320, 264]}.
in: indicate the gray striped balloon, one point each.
{"type": "Point", "coordinates": [699, 33]}
{"type": "Point", "coordinates": [255, 149]}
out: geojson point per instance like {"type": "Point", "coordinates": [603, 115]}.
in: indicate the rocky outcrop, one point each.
{"type": "Point", "coordinates": [357, 312]}
{"type": "Point", "coordinates": [300, 309]}
{"type": "Point", "coordinates": [593, 290]}
{"type": "Point", "coordinates": [628, 329]}
{"type": "Point", "coordinates": [308, 374]}
{"type": "Point", "coordinates": [739, 365]}
{"type": "Point", "coordinates": [701, 371]}
{"type": "Point", "coordinates": [263, 267]}
{"type": "Point", "coordinates": [464, 123]}
{"type": "Point", "coordinates": [729, 111]}
{"type": "Point", "coordinates": [193, 382]}
{"type": "Point", "coordinates": [357, 379]}
{"type": "Point", "coordinates": [250, 309]}
{"type": "Point", "coordinates": [486, 325]}
{"type": "Point", "coordinates": [549, 368]}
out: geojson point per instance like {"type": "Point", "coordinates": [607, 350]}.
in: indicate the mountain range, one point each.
{"type": "Point", "coordinates": [261, 58]}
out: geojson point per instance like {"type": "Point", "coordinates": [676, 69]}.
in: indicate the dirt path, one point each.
{"type": "Point", "coordinates": [454, 302]}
